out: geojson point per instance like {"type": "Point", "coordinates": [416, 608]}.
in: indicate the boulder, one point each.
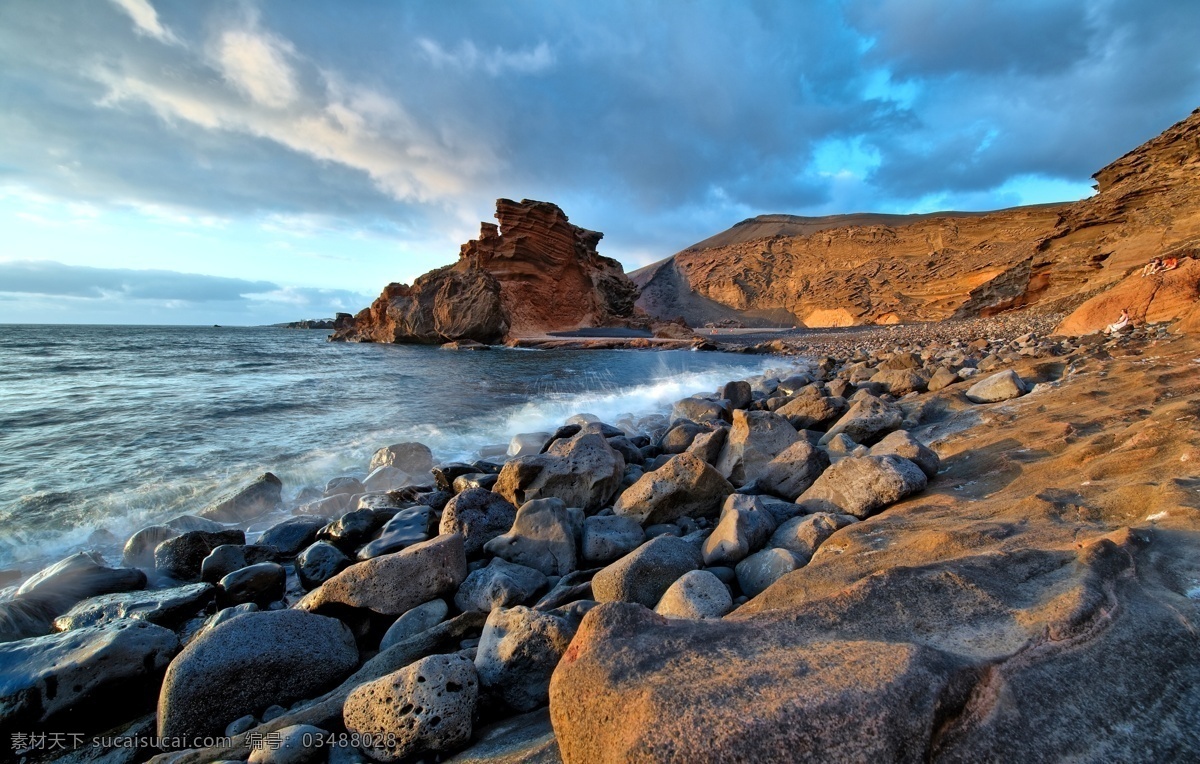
{"type": "Point", "coordinates": [227, 558]}
{"type": "Point", "coordinates": [294, 744]}
{"type": "Point", "coordinates": [478, 516]}
{"type": "Point", "coordinates": [738, 394]}
{"type": "Point", "coordinates": [902, 443]}
{"type": "Point", "coordinates": [343, 486]}
{"type": "Point", "coordinates": [645, 573]}
{"type": "Point", "coordinates": [527, 443]}
{"type": "Point", "coordinates": [740, 531]}
{"type": "Point", "coordinates": [812, 412]}
{"type": "Point", "coordinates": [162, 607]}
{"type": "Point", "coordinates": [248, 663]}
{"type": "Point", "coordinates": [408, 527]}
{"type": "Point", "coordinates": [802, 535]}
{"type": "Point", "coordinates": [486, 481]}
{"type": "Point", "coordinates": [254, 500]}
{"type": "Point", "coordinates": [541, 537]}
{"type": "Point", "coordinates": [868, 420]}
{"type": "Point", "coordinates": [763, 568]}
{"type": "Point", "coordinates": [319, 563]}
{"type": "Point", "coordinates": [609, 537]}
{"type": "Point", "coordinates": [793, 470]}
{"type": "Point", "coordinates": [755, 439]}
{"type": "Point", "coordinates": [702, 410]}
{"type": "Point", "coordinates": [697, 594]}
{"type": "Point", "coordinates": [414, 458]}
{"type": "Point", "coordinates": [998, 387]}
{"type": "Point", "coordinates": [862, 485]}
{"type": "Point", "coordinates": [583, 471]}
{"type": "Point", "coordinates": [500, 584]}
{"type": "Point", "coordinates": [680, 437]}
{"type": "Point", "coordinates": [291, 536]}
{"type": "Point", "coordinates": [82, 575]}
{"type": "Point", "coordinates": [182, 557]}
{"type": "Point", "coordinates": [139, 549]}
{"type": "Point", "coordinates": [395, 583]}
{"type": "Point", "coordinates": [518, 651]}
{"type": "Point", "coordinates": [900, 382]}
{"type": "Point", "coordinates": [684, 486]}
{"type": "Point", "coordinates": [425, 707]}
{"type": "Point", "coordinates": [941, 379]}
{"type": "Point", "coordinates": [354, 528]}
{"type": "Point", "coordinates": [84, 671]}
{"type": "Point", "coordinates": [387, 479]}
{"type": "Point", "coordinates": [419, 619]}
{"type": "Point", "coordinates": [707, 445]}
{"type": "Point", "coordinates": [261, 584]}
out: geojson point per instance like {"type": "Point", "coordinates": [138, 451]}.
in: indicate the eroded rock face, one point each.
{"type": "Point", "coordinates": [533, 273]}
{"type": "Point", "coordinates": [755, 439]}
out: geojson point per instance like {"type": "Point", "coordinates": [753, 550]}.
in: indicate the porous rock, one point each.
{"type": "Point", "coordinates": [518, 651]}
{"type": "Point", "coordinates": [583, 471]}
{"type": "Point", "coordinates": [541, 537]}
{"type": "Point", "coordinates": [478, 516]}
{"type": "Point", "coordinates": [645, 573]}
{"type": "Point", "coordinates": [862, 485]}
{"type": "Point", "coordinates": [684, 486]}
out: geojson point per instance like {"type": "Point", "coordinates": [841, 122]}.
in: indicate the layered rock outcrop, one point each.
{"type": "Point", "coordinates": [533, 273]}
{"type": "Point", "coordinates": [877, 269]}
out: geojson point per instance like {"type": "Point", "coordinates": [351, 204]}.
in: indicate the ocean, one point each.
{"type": "Point", "coordinates": [111, 428]}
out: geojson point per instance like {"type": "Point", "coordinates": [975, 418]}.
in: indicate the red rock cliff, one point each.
{"type": "Point", "coordinates": [533, 273]}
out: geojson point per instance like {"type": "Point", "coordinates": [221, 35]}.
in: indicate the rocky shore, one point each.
{"type": "Point", "coordinates": [955, 541]}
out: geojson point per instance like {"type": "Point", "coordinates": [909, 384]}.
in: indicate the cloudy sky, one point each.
{"type": "Point", "coordinates": [172, 161]}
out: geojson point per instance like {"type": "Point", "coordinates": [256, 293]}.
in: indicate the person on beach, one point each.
{"type": "Point", "coordinates": [1152, 267]}
{"type": "Point", "coordinates": [1170, 264]}
{"type": "Point", "coordinates": [1119, 324]}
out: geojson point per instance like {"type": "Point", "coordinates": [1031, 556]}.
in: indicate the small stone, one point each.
{"type": "Point", "coordinates": [697, 594]}
{"type": "Point", "coordinates": [425, 707]}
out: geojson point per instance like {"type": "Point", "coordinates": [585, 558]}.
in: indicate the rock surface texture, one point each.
{"type": "Point", "coordinates": [533, 273]}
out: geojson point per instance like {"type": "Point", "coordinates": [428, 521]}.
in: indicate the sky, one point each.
{"type": "Point", "coordinates": [181, 162]}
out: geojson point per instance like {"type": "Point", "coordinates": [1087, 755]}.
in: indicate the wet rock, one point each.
{"type": "Point", "coordinates": [737, 393]}
{"type": "Point", "coordinates": [319, 563]}
{"type": "Point", "coordinates": [518, 651]}
{"type": "Point", "coordinates": [793, 470]}
{"type": "Point", "coordinates": [185, 523]}
{"type": "Point", "coordinates": [740, 531]}
{"type": "Point", "coordinates": [415, 621]}
{"type": "Point", "coordinates": [701, 410]}
{"type": "Point", "coordinates": [262, 584]}
{"type": "Point", "coordinates": [697, 594]}
{"type": "Point", "coordinates": [139, 549]}
{"type": "Point", "coordinates": [444, 474]}
{"type": "Point", "coordinates": [645, 573]}
{"type": "Point", "coordinates": [998, 387]}
{"type": "Point", "coordinates": [795, 383]}
{"type": "Point", "coordinates": [182, 556]}
{"type": "Point", "coordinates": [387, 479]}
{"type": "Point", "coordinates": [755, 439]}
{"type": "Point", "coordinates": [408, 527]}
{"type": "Point", "coordinates": [162, 607]}
{"type": "Point", "coordinates": [607, 538]}
{"type": "Point", "coordinates": [868, 420]}
{"type": "Point", "coordinates": [353, 528]}
{"type": "Point", "coordinates": [583, 472]}
{"type": "Point", "coordinates": [291, 536]}
{"type": "Point", "coordinates": [227, 558]}
{"type": "Point", "coordinates": [527, 443]}
{"type": "Point", "coordinates": [684, 486]}
{"type": "Point", "coordinates": [761, 569]}
{"type": "Point", "coordinates": [802, 535]}
{"type": "Point", "coordinates": [414, 458]}
{"type": "Point", "coordinates": [862, 485]}
{"type": "Point", "coordinates": [426, 707]}
{"type": "Point", "coordinates": [343, 486]}
{"type": "Point", "coordinates": [478, 516]}
{"type": "Point", "coordinates": [541, 537]}
{"type": "Point", "coordinates": [248, 663]}
{"type": "Point", "coordinates": [255, 500]}
{"type": "Point", "coordinates": [482, 480]}
{"type": "Point", "coordinates": [58, 587]}
{"type": "Point", "coordinates": [83, 671]}
{"type": "Point", "coordinates": [395, 583]}
{"type": "Point", "coordinates": [902, 443]}
{"type": "Point", "coordinates": [500, 584]}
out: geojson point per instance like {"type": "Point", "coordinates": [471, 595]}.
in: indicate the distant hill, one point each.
{"type": "Point", "coordinates": [868, 268]}
{"type": "Point", "coordinates": [308, 323]}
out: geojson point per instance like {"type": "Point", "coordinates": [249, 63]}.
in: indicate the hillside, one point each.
{"type": "Point", "coordinates": [876, 269]}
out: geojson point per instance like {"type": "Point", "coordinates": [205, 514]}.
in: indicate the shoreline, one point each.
{"type": "Point", "coordinates": [959, 453]}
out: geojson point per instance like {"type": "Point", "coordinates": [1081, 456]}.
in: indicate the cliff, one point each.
{"type": "Point", "coordinates": [531, 274]}
{"type": "Point", "coordinates": [877, 269]}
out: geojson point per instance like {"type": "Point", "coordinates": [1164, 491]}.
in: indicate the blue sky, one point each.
{"type": "Point", "coordinates": [252, 162]}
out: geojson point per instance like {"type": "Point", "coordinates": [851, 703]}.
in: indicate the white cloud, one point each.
{"type": "Point", "coordinates": [145, 20]}
{"type": "Point", "coordinates": [256, 64]}
{"type": "Point", "coordinates": [468, 57]}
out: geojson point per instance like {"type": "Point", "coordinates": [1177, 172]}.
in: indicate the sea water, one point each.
{"type": "Point", "coordinates": [111, 428]}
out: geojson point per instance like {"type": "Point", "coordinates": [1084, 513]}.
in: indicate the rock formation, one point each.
{"type": "Point", "coordinates": [877, 269]}
{"type": "Point", "coordinates": [533, 273]}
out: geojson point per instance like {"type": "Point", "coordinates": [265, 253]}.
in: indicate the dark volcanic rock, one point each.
{"type": "Point", "coordinates": [182, 556]}
{"type": "Point", "coordinates": [164, 607]}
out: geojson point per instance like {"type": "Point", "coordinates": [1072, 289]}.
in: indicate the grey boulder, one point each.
{"type": "Point", "coordinates": [685, 486]}
{"type": "Point", "coordinates": [793, 470]}
{"type": "Point", "coordinates": [162, 607]}
{"type": "Point", "coordinates": [291, 536]}
{"type": "Point", "coordinates": [610, 537]}
{"type": "Point", "coordinates": [500, 584]}
{"type": "Point", "coordinates": [414, 458]}
{"type": "Point", "coordinates": [479, 516]}
{"type": "Point", "coordinates": [541, 537]}
{"type": "Point", "coordinates": [741, 530]}
{"type": "Point", "coordinates": [868, 420]}
{"type": "Point", "coordinates": [254, 500]}
{"type": "Point", "coordinates": [862, 485]}
{"type": "Point", "coordinates": [645, 573]}
{"type": "Point", "coordinates": [803, 535]}
{"type": "Point", "coordinates": [419, 619]}
{"type": "Point", "coordinates": [697, 594]}
{"type": "Point", "coordinates": [902, 443]}
{"type": "Point", "coordinates": [998, 387]}
{"type": "Point", "coordinates": [583, 471]}
{"type": "Point", "coordinates": [319, 563]}
{"type": "Point", "coordinates": [262, 584]}
{"type": "Point", "coordinates": [518, 651]}
{"type": "Point", "coordinates": [755, 438]}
